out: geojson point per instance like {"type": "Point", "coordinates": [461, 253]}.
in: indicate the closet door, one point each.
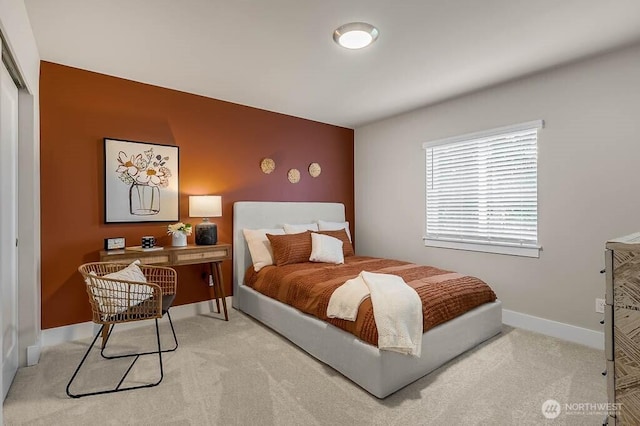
{"type": "Point", "coordinates": [8, 228]}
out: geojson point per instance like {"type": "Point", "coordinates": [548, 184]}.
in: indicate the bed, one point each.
{"type": "Point", "coordinates": [377, 371]}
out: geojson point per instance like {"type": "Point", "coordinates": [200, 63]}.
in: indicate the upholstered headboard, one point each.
{"type": "Point", "coordinates": [272, 214]}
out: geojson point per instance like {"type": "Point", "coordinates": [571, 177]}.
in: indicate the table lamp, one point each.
{"type": "Point", "coordinates": [206, 206]}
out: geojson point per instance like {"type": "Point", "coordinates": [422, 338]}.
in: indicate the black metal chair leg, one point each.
{"type": "Point", "coordinates": [75, 373]}
{"type": "Point", "coordinates": [175, 339]}
{"type": "Point", "coordinates": [173, 331]}
{"type": "Point", "coordinates": [159, 352]}
{"type": "Point", "coordinates": [117, 388]}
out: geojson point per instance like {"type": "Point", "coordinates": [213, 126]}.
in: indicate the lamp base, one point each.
{"type": "Point", "coordinates": [206, 234]}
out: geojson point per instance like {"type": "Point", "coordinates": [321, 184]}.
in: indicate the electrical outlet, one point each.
{"type": "Point", "coordinates": [600, 306]}
{"type": "Point", "coordinates": [211, 285]}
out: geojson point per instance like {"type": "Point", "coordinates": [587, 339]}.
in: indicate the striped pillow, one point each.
{"type": "Point", "coordinates": [290, 248]}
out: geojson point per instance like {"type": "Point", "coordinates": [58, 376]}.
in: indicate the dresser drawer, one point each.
{"type": "Point", "coordinates": [626, 326]}
{"type": "Point", "coordinates": [202, 256]}
{"type": "Point", "coordinates": [192, 255]}
{"type": "Point", "coordinates": [626, 279]}
{"type": "Point", "coordinates": [154, 258]}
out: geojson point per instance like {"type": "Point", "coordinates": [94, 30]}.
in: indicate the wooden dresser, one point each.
{"type": "Point", "coordinates": [622, 329]}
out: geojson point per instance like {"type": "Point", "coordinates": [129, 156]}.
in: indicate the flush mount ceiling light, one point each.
{"type": "Point", "coordinates": [355, 35]}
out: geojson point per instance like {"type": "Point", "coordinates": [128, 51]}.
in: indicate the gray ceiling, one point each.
{"type": "Point", "coordinates": [279, 55]}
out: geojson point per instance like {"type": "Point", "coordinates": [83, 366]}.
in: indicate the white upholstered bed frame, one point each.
{"type": "Point", "coordinates": [378, 372]}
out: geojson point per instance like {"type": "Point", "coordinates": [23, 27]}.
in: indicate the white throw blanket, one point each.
{"type": "Point", "coordinates": [397, 309]}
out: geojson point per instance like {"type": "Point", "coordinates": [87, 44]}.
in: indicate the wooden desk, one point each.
{"type": "Point", "coordinates": [178, 256]}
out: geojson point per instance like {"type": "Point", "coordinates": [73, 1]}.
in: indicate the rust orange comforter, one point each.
{"type": "Point", "coordinates": [308, 288]}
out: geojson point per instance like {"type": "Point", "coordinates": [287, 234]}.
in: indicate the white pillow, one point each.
{"type": "Point", "coordinates": [334, 226]}
{"type": "Point", "coordinates": [297, 229]}
{"type": "Point", "coordinates": [130, 273]}
{"type": "Point", "coordinates": [259, 246]}
{"type": "Point", "coordinates": [116, 297]}
{"type": "Point", "coordinates": [326, 249]}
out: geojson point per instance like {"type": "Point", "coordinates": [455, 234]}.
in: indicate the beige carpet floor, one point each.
{"type": "Point", "coordinates": [241, 373]}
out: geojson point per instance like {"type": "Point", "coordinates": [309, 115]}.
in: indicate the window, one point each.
{"type": "Point", "coordinates": [482, 191]}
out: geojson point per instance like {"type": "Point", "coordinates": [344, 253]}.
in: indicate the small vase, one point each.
{"type": "Point", "coordinates": [179, 239]}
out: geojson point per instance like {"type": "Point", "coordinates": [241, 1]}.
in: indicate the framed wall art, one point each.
{"type": "Point", "coordinates": [141, 182]}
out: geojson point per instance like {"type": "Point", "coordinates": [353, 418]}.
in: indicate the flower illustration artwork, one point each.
{"type": "Point", "coordinates": [141, 182]}
{"type": "Point", "coordinates": [146, 173]}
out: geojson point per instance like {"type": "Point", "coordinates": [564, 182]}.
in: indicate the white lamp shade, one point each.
{"type": "Point", "coordinates": [205, 206]}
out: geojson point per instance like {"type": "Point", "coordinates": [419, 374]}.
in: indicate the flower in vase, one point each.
{"type": "Point", "coordinates": [185, 228]}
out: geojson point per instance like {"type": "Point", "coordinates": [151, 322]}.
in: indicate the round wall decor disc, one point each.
{"type": "Point", "coordinates": [267, 165]}
{"type": "Point", "coordinates": [315, 169]}
{"type": "Point", "coordinates": [293, 175]}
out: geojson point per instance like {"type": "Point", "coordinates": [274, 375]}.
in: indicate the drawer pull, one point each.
{"type": "Point", "coordinates": [602, 271]}
{"type": "Point", "coordinates": [604, 373]}
{"type": "Point", "coordinates": [602, 321]}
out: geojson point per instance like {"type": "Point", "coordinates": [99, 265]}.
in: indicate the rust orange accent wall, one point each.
{"type": "Point", "coordinates": [221, 145]}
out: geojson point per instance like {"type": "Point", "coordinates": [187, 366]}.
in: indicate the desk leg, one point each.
{"type": "Point", "coordinates": [215, 290]}
{"type": "Point", "coordinates": [105, 334]}
{"type": "Point", "coordinates": [217, 281]}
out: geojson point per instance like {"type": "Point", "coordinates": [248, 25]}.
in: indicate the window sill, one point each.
{"type": "Point", "coordinates": [486, 248]}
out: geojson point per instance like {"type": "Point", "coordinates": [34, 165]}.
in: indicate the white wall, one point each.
{"type": "Point", "coordinates": [588, 182]}
{"type": "Point", "coordinates": [16, 29]}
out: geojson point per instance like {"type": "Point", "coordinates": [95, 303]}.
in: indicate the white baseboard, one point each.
{"type": "Point", "coordinates": [571, 333]}
{"type": "Point", "coordinates": [593, 339]}
{"type": "Point", "coordinates": [69, 333]}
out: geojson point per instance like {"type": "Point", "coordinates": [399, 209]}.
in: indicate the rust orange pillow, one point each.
{"type": "Point", "coordinates": [341, 234]}
{"type": "Point", "coordinates": [290, 248]}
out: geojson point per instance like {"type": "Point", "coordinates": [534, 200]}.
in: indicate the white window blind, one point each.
{"type": "Point", "coordinates": [482, 188]}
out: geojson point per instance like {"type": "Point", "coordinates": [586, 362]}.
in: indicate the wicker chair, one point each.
{"type": "Point", "coordinates": [115, 301]}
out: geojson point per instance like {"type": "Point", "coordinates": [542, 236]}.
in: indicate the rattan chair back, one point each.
{"type": "Point", "coordinates": [117, 300]}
